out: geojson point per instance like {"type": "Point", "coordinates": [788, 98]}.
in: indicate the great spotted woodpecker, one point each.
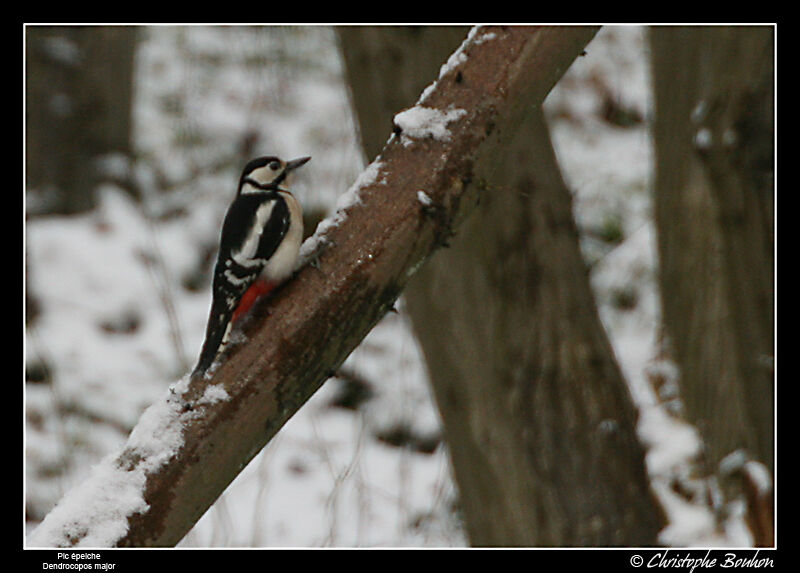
{"type": "Point", "coordinates": [259, 246]}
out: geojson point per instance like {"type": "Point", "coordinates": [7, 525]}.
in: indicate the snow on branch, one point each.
{"type": "Point", "coordinates": [192, 443]}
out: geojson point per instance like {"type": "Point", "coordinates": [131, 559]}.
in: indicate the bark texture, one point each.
{"type": "Point", "coordinates": [714, 208]}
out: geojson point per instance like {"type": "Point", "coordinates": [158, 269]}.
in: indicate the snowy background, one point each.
{"type": "Point", "coordinates": [123, 293]}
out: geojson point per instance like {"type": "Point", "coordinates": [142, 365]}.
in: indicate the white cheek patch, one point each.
{"type": "Point", "coordinates": [264, 175]}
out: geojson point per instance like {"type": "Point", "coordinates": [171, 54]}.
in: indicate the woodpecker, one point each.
{"type": "Point", "coordinates": [259, 247]}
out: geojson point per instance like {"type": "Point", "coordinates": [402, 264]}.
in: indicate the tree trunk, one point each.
{"type": "Point", "coordinates": [714, 207]}
{"type": "Point", "coordinates": [537, 417]}
{"type": "Point", "coordinates": [79, 85]}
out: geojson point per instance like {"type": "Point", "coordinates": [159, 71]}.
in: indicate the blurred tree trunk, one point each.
{"type": "Point", "coordinates": [714, 208]}
{"type": "Point", "coordinates": [387, 68]}
{"type": "Point", "coordinates": [78, 97]}
{"type": "Point", "coordinates": [537, 417]}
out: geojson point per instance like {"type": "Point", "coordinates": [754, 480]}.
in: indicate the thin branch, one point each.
{"type": "Point", "coordinates": [189, 446]}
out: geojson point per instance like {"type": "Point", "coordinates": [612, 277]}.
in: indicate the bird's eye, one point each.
{"type": "Point", "coordinates": [275, 165]}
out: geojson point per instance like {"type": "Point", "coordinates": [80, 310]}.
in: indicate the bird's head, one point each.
{"type": "Point", "coordinates": [267, 173]}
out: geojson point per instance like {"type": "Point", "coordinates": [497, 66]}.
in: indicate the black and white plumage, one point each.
{"type": "Point", "coordinates": [259, 247]}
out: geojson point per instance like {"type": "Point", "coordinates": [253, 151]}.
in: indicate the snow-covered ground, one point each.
{"type": "Point", "coordinates": [118, 322]}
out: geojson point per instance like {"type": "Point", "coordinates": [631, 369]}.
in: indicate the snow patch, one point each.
{"type": "Point", "coordinates": [666, 457]}
{"type": "Point", "coordinates": [424, 198]}
{"type": "Point", "coordinates": [213, 394]}
{"type": "Point", "coordinates": [703, 138]}
{"type": "Point", "coordinates": [350, 198]}
{"type": "Point", "coordinates": [96, 512]}
{"type": "Point", "coordinates": [458, 57]}
{"type": "Point", "coordinates": [759, 476]}
{"type": "Point", "coordinates": [420, 122]}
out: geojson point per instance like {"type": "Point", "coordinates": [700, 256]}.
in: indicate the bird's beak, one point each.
{"type": "Point", "coordinates": [295, 163]}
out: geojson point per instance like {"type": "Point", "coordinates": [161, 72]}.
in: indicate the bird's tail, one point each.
{"type": "Point", "coordinates": [222, 317]}
{"type": "Point", "coordinates": [219, 322]}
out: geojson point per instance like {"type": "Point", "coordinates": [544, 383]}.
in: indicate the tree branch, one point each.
{"type": "Point", "coordinates": [187, 448]}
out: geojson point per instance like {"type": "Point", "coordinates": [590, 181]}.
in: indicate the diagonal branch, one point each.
{"type": "Point", "coordinates": [187, 448]}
